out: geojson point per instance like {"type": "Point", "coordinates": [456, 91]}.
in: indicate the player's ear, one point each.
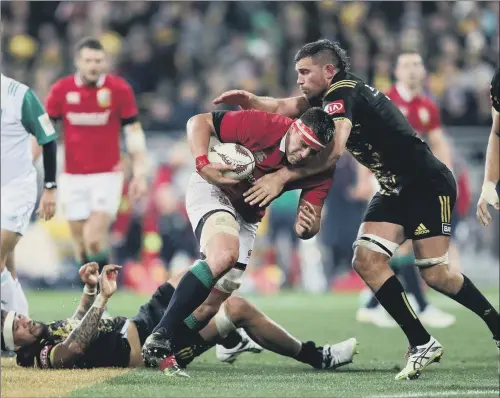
{"type": "Point", "coordinates": [329, 71]}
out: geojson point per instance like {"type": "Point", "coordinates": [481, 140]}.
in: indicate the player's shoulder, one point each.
{"type": "Point", "coordinates": [13, 88]}
{"type": "Point", "coordinates": [343, 81]}
{"type": "Point", "coordinates": [116, 82]}
{"type": "Point", "coordinates": [428, 102]}
{"type": "Point", "coordinates": [64, 83]}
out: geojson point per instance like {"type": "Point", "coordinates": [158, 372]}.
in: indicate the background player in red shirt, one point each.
{"type": "Point", "coordinates": [224, 223]}
{"type": "Point", "coordinates": [93, 107]}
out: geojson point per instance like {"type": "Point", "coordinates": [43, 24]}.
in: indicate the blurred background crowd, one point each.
{"type": "Point", "coordinates": [178, 56]}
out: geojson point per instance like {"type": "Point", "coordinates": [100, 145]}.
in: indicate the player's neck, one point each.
{"type": "Point", "coordinates": [406, 92]}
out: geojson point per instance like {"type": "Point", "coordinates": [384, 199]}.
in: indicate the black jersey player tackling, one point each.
{"type": "Point", "coordinates": [415, 201]}
{"type": "Point", "coordinates": [87, 340]}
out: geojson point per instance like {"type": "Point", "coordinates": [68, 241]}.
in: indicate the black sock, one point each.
{"type": "Point", "coordinates": [311, 355]}
{"type": "Point", "coordinates": [232, 340]}
{"type": "Point", "coordinates": [413, 286]}
{"type": "Point", "coordinates": [193, 289]}
{"type": "Point", "coordinates": [474, 300]}
{"type": "Point", "coordinates": [393, 298]}
{"type": "Point", "coordinates": [372, 303]}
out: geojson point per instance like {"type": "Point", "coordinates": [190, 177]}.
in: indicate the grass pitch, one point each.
{"type": "Point", "coordinates": [469, 366]}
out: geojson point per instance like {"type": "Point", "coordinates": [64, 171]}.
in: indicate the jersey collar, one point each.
{"type": "Point", "coordinates": [283, 144]}
{"type": "Point", "coordinates": [100, 81]}
{"type": "Point", "coordinates": [404, 93]}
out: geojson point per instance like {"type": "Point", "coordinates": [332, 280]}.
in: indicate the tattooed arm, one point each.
{"type": "Point", "coordinates": [64, 354]}
{"type": "Point", "coordinates": [89, 274]}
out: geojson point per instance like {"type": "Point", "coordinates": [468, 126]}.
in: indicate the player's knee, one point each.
{"type": "Point", "coordinates": [436, 276]}
{"type": "Point", "coordinates": [237, 309]}
{"type": "Point", "coordinates": [365, 260]}
{"type": "Point", "coordinates": [370, 251]}
{"type": "Point", "coordinates": [222, 260]}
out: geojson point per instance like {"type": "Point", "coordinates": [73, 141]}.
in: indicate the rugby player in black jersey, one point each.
{"type": "Point", "coordinates": [87, 340]}
{"type": "Point", "coordinates": [489, 193]}
{"type": "Point", "coordinates": [415, 201]}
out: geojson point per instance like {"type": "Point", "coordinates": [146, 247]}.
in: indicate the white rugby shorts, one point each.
{"type": "Point", "coordinates": [82, 194]}
{"type": "Point", "coordinates": [18, 201]}
{"type": "Point", "coordinates": [202, 198]}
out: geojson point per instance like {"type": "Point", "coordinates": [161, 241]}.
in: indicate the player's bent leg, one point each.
{"type": "Point", "coordinates": [95, 237]}
{"type": "Point", "coordinates": [268, 334]}
{"type": "Point", "coordinates": [220, 244]}
{"type": "Point", "coordinates": [9, 241]}
{"type": "Point", "coordinates": [433, 261]}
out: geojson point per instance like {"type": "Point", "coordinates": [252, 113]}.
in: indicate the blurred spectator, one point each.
{"type": "Point", "coordinates": [241, 45]}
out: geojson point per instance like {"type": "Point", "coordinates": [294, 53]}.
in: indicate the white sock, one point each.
{"type": "Point", "coordinates": [9, 289]}
{"type": "Point", "coordinates": [20, 300]}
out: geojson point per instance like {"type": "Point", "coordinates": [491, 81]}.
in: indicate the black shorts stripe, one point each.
{"type": "Point", "coordinates": [203, 220]}
{"type": "Point", "coordinates": [378, 244]}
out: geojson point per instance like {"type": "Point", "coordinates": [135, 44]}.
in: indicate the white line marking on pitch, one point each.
{"type": "Point", "coordinates": [439, 393]}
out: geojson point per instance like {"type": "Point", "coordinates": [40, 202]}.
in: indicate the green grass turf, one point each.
{"type": "Point", "coordinates": [469, 366]}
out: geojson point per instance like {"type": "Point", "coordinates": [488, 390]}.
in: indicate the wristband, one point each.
{"type": "Point", "coordinates": [201, 161]}
{"type": "Point", "coordinates": [90, 291]}
{"type": "Point", "coordinates": [100, 302]}
{"type": "Point", "coordinates": [489, 193]}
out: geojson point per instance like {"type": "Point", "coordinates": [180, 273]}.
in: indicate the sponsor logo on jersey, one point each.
{"type": "Point", "coordinates": [46, 124]}
{"type": "Point", "coordinates": [73, 97]}
{"type": "Point", "coordinates": [446, 229]}
{"type": "Point", "coordinates": [259, 156]}
{"type": "Point", "coordinates": [421, 230]}
{"type": "Point", "coordinates": [88, 119]}
{"type": "Point", "coordinates": [44, 357]}
{"type": "Point", "coordinates": [424, 115]}
{"type": "Point", "coordinates": [104, 97]}
{"type": "Point", "coordinates": [335, 107]}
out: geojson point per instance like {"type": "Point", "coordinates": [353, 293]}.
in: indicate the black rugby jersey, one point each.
{"type": "Point", "coordinates": [381, 138]}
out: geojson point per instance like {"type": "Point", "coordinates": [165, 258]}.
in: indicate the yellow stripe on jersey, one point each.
{"type": "Point", "coordinates": [445, 209]}
{"type": "Point", "coordinates": [342, 119]}
{"type": "Point", "coordinates": [342, 83]}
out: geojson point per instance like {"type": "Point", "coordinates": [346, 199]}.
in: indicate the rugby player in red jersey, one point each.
{"type": "Point", "coordinates": [93, 107]}
{"type": "Point", "coordinates": [224, 224]}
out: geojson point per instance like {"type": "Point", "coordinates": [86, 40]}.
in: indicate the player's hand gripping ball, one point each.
{"type": "Point", "coordinates": [240, 159]}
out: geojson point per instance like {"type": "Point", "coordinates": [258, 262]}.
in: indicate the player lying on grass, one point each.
{"type": "Point", "coordinates": [224, 224]}
{"type": "Point", "coordinates": [86, 340]}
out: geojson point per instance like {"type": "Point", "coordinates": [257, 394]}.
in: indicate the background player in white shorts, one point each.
{"type": "Point", "coordinates": [22, 115]}
{"type": "Point", "coordinates": [93, 107]}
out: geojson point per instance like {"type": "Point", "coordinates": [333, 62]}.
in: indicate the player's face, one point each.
{"type": "Point", "coordinates": [296, 149]}
{"type": "Point", "coordinates": [410, 70]}
{"type": "Point", "coordinates": [90, 64]}
{"type": "Point", "coordinates": [313, 78]}
{"type": "Point", "coordinates": [26, 331]}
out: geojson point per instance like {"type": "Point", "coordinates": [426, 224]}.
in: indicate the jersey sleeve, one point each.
{"type": "Point", "coordinates": [54, 101]}
{"type": "Point", "coordinates": [317, 192]}
{"type": "Point", "coordinates": [35, 120]}
{"type": "Point", "coordinates": [339, 99]}
{"type": "Point", "coordinates": [128, 106]}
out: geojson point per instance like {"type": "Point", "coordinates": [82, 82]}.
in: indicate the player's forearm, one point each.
{"type": "Point", "coordinates": [492, 167]}
{"type": "Point", "coordinates": [199, 130]}
{"type": "Point", "coordinates": [135, 142]}
{"type": "Point", "coordinates": [88, 298]}
{"type": "Point", "coordinates": [50, 161]}
{"type": "Point", "coordinates": [79, 339]}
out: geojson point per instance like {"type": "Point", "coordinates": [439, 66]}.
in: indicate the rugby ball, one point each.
{"type": "Point", "coordinates": [234, 155]}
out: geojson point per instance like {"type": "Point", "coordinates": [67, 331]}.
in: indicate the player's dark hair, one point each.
{"type": "Point", "coordinates": [321, 123]}
{"type": "Point", "coordinates": [325, 51]}
{"type": "Point", "coordinates": [89, 42]}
